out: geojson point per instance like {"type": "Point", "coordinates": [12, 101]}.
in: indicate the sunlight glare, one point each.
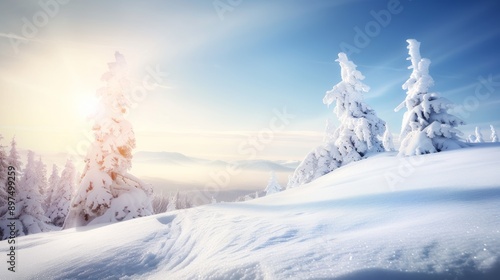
{"type": "Point", "coordinates": [86, 105]}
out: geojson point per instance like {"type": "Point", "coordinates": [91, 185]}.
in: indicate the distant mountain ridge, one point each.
{"type": "Point", "coordinates": [175, 158]}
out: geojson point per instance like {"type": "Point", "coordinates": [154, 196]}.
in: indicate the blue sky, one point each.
{"type": "Point", "coordinates": [228, 71]}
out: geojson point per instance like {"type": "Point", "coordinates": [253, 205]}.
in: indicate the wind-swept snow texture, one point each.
{"type": "Point", "coordinates": [440, 221]}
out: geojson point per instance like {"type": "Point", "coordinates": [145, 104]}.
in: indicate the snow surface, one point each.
{"type": "Point", "coordinates": [440, 220]}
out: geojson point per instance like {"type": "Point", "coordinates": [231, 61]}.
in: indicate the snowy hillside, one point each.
{"type": "Point", "coordinates": [432, 217]}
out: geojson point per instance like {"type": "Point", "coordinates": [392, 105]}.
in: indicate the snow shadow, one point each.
{"type": "Point", "coordinates": [166, 219]}
{"type": "Point", "coordinates": [384, 274]}
{"type": "Point", "coordinates": [112, 267]}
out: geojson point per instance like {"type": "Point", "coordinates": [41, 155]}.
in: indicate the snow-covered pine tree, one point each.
{"type": "Point", "coordinates": [322, 160]}
{"type": "Point", "coordinates": [360, 128]}
{"type": "Point", "coordinates": [160, 203]}
{"type": "Point", "coordinates": [427, 126]}
{"type": "Point", "coordinates": [53, 181]}
{"type": "Point", "coordinates": [387, 140]}
{"type": "Point", "coordinates": [493, 137]}
{"type": "Point", "coordinates": [107, 193]}
{"type": "Point", "coordinates": [14, 158]}
{"type": "Point", "coordinates": [471, 138]}
{"type": "Point", "coordinates": [43, 184]}
{"type": "Point", "coordinates": [172, 202]}
{"type": "Point", "coordinates": [30, 216]}
{"type": "Point", "coordinates": [479, 135]}
{"type": "Point", "coordinates": [3, 179]}
{"type": "Point", "coordinates": [272, 185]}
{"type": "Point", "coordinates": [357, 135]}
{"type": "Point", "coordinates": [62, 194]}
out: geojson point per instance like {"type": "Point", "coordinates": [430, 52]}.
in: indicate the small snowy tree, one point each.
{"type": "Point", "coordinates": [471, 139]}
{"type": "Point", "coordinates": [53, 181]}
{"type": "Point", "coordinates": [357, 135]}
{"type": "Point", "coordinates": [427, 126]}
{"type": "Point", "coordinates": [43, 184]}
{"type": "Point", "coordinates": [160, 203]}
{"type": "Point", "coordinates": [387, 140]}
{"type": "Point", "coordinates": [62, 194]}
{"type": "Point", "coordinates": [107, 193]}
{"type": "Point", "coordinates": [322, 160]}
{"type": "Point", "coordinates": [3, 179]}
{"type": "Point", "coordinates": [479, 135]}
{"type": "Point", "coordinates": [172, 202]}
{"type": "Point", "coordinates": [30, 216]}
{"type": "Point", "coordinates": [13, 159]}
{"type": "Point", "coordinates": [493, 137]}
{"type": "Point", "coordinates": [272, 185]}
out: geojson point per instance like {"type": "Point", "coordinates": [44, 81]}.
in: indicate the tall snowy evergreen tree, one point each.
{"type": "Point", "coordinates": [62, 193]}
{"type": "Point", "coordinates": [107, 193]}
{"type": "Point", "coordinates": [494, 136]}
{"type": "Point", "coordinates": [360, 128]}
{"type": "Point", "coordinates": [479, 135]}
{"type": "Point", "coordinates": [30, 216]}
{"type": "Point", "coordinates": [272, 185]}
{"type": "Point", "coordinates": [357, 135]}
{"type": "Point", "coordinates": [427, 126]}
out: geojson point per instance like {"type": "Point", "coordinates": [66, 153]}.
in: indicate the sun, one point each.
{"type": "Point", "coordinates": [86, 105]}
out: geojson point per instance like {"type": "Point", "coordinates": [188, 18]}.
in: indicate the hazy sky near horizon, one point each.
{"type": "Point", "coordinates": [224, 74]}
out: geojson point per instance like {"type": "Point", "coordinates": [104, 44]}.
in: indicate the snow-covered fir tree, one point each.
{"type": "Point", "coordinates": [172, 202]}
{"type": "Point", "coordinates": [360, 128]}
{"type": "Point", "coordinates": [53, 181]}
{"type": "Point", "coordinates": [62, 194]}
{"type": "Point", "coordinates": [43, 184]}
{"type": "Point", "coordinates": [320, 161]}
{"type": "Point", "coordinates": [14, 159]}
{"type": "Point", "coordinates": [357, 135]}
{"type": "Point", "coordinates": [107, 192]}
{"type": "Point", "coordinates": [30, 216]}
{"type": "Point", "coordinates": [272, 185]}
{"type": "Point", "coordinates": [494, 136]}
{"type": "Point", "coordinates": [387, 140]}
{"type": "Point", "coordinates": [471, 138]}
{"type": "Point", "coordinates": [3, 179]}
{"type": "Point", "coordinates": [427, 126]}
{"type": "Point", "coordinates": [479, 135]}
{"type": "Point", "coordinates": [160, 203]}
